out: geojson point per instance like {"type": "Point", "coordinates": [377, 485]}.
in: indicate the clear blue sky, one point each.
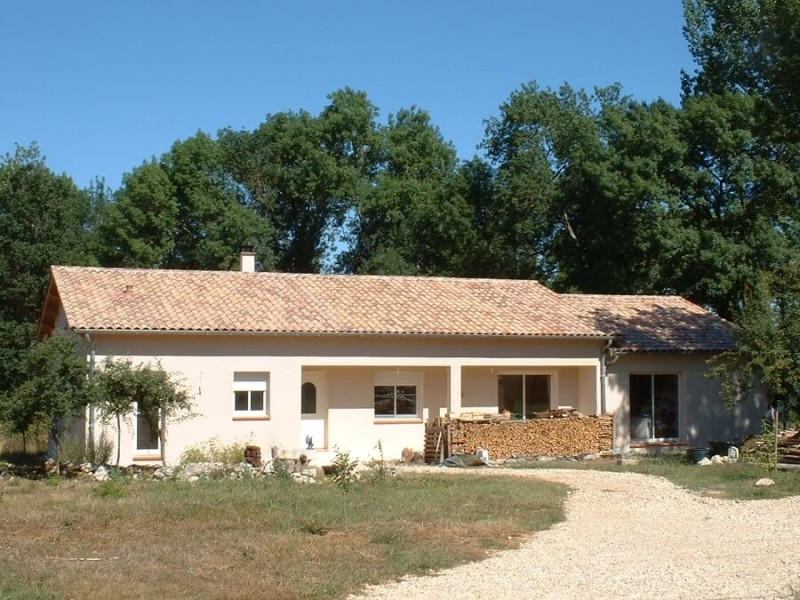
{"type": "Point", "coordinates": [103, 85]}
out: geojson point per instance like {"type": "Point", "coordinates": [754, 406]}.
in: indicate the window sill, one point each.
{"type": "Point", "coordinates": [396, 421]}
{"type": "Point", "coordinates": [147, 457]}
{"type": "Point", "coordinates": [252, 418]}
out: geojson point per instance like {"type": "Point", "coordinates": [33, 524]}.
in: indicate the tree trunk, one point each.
{"type": "Point", "coordinates": [119, 436]}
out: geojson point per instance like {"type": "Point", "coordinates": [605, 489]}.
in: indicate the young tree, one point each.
{"type": "Point", "coordinates": [54, 386]}
{"type": "Point", "coordinates": [768, 342]}
{"type": "Point", "coordinates": [113, 391]}
{"type": "Point", "coordinates": [161, 399]}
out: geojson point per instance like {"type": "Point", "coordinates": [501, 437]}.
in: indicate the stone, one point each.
{"type": "Point", "coordinates": [704, 461]}
{"type": "Point", "coordinates": [100, 474]}
{"type": "Point", "coordinates": [717, 459]}
{"type": "Point", "coordinates": [765, 482]}
{"type": "Point", "coordinates": [733, 453]}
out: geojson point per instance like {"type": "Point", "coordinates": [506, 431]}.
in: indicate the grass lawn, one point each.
{"type": "Point", "coordinates": [253, 538]}
{"type": "Point", "coordinates": [734, 481]}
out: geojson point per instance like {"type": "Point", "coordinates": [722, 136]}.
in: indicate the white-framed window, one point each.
{"type": "Point", "coordinates": [251, 394]}
{"type": "Point", "coordinates": [654, 402]}
{"type": "Point", "coordinates": [145, 434]}
{"type": "Point", "coordinates": [524, 394]}
{"type": "Point", "coordinates": [397, 394]}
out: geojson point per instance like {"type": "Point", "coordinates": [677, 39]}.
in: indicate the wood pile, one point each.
{"type": "Point", "coordinates": [563, 432]}
{"type": "Point", "coordinates": [789, 449]}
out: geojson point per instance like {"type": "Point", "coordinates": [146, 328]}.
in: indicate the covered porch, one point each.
{"type": "Point", "coordinates": [354, 407]}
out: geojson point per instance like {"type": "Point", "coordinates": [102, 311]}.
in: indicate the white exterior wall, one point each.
{"type": "Point", "coordinates": [207, 363]}
{"type": "Point", "coordinates": [702, 415]}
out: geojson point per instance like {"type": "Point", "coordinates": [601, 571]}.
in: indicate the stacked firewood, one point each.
{"type": "Point", "coordinates": [565, 435]}
{"type": "Point", "coordinates": [789, 449]}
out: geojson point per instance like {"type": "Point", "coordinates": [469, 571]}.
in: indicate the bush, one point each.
{"type": "Point", "coordinates": [213, 451]}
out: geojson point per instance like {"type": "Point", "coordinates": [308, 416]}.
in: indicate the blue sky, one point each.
{"type": "Point", "coordinates": [102, 86]}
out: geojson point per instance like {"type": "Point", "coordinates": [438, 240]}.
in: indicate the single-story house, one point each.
{"type": "Point", "coordinates": [291, 360]}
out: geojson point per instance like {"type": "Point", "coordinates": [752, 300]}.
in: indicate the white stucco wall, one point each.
{"type": "Point", "coordinates": [207, 363]}
{"type": "Point", "coordinates": [348, 367]}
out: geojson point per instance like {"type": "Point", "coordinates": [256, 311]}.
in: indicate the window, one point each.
{"type": "Point", "coordinates": [654, 406]}
{"type": "Point", "coordinates": [523, 395]}
{"type": "Point", "coordinates": [308, 399]}
{"type": "Point", "coordinates": [395, 400]}
{"type": "Point", "coordinates": [396, 394]}
{"type": "Point", "coordinates": [147, 441]}
{"type": "Point", "coordinates": [251, 394]}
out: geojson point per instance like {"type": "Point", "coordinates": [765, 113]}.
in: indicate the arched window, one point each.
{"type": "Point", "coordinates": [308, 399]}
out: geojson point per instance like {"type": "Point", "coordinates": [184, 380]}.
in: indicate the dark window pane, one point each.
{"type": "Point", "coordinates": [241, 400]}
{"type": "Point", "coordinates": [384, 400]}
{"type": "Point", "coordinates": [665, 388]}
{"type": "Point", "coordinates": [641, 406]}
{"type": "Point", "coordinates": [257, 400]}
{"type": "Point", "coordinates": [510, 393]}
{"type": "Point", "coordinates": [308, 399]}
{"type": "Point", "coordinates": [406, 400]}
{"type": "Point", "coordinates": [146, 438]}
{"type": "Point", "coordinates": [537, 394]}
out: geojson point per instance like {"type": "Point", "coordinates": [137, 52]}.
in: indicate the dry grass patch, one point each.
{"type": "Point", "coordinates": [253, 539]}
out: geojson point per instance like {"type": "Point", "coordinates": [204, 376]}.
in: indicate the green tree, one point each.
{"type": "Point", "coordinates": [413, 220]}
{"type": "Point", "coordinates": [748, 47]}
{"type": "Point", "coordinates": [768, 341]}
{"type": "Point", "coordinates": [53, 386]}
{"type": "Point", "coordinates": [113, 392]}
{"type": "Point", "coordinates": [162, 398]}
{"type": "Point", "coordinates": [44, 220]}
{"type": "Point", "coordinates": [213, 219]}
{"type": "Point", "coordinates": [301, 172]}
{"type": "Point", "coordinates": [138, 228]}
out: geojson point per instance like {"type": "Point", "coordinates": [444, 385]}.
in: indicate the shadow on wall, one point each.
{"type": "Point", "coordinates": [679, 330]}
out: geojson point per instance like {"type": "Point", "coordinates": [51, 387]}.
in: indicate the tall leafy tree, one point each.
{"type": "Point", "coordinates": [302, 172]}
{"type": "Point", "coordinates": [748, 47]}
{"type": "Point", "coordinates": [413, 219]}
{"type": "Point", "coordinates": [214, 219]}
{"type": "Point", "coordinates": [44, 220]}
{"type": "Point", "coordinates": [138, 228]}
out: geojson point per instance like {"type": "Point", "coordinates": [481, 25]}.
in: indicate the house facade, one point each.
{"type": "Point", "coordinates": [297, 361]}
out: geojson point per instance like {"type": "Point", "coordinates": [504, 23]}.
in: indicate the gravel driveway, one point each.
{"type": "Point", "coordinates": [634, 536]}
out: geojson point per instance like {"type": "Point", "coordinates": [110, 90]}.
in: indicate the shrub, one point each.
{"type": "Point", "coordinates": [213, 451]}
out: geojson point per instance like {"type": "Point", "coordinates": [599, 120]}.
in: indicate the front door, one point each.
{"type": "Point", "coordinates": [313, 410]}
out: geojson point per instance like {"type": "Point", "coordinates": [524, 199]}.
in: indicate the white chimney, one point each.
{"type": "Point", "coordinates": [248, 261]}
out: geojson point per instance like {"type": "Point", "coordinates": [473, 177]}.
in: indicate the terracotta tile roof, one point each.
{"type": "Point", "coordinates": [654, 323]}
{"type": "Point", "coordinates": [219, 301]}
{"type": "Point", "coordinates": [135, 299]}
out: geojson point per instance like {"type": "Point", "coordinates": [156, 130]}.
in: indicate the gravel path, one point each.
{"type": "Point", "coordinates": [634, 536]}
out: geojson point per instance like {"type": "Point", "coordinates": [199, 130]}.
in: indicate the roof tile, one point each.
{"type": "Point", "coordinates": [219, 301]}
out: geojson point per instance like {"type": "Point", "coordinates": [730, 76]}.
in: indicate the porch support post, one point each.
{"type": "Point", "coordinates": [284, 400]}
{"type": "Point", "coordinates": [454, 389]}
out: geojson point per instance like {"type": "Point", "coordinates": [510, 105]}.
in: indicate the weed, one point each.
{"type": "Point", "coordinates": [281, 470]}
{"type": "Point", "coordinates": [378, 472]}
{"type": "Point", "coordinates": [112, 488]}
